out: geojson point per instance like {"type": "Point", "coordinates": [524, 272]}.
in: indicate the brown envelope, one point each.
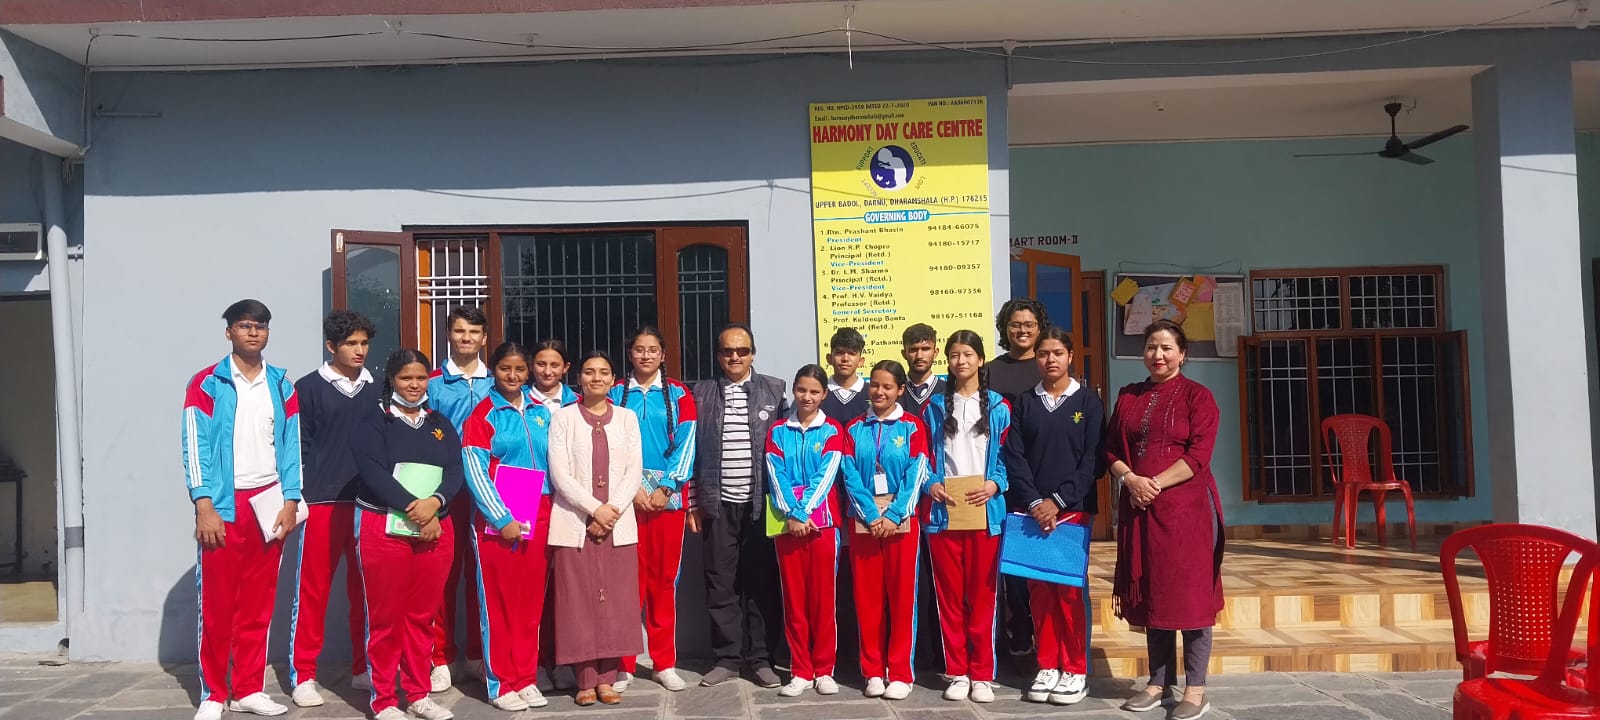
{"type": "Point", "coordinates": [965, 516]}
{"type": "Point", "coordinates": [882, 501]}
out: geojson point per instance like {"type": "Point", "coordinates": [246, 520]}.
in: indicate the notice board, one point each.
{"type": "Point", "coordinates": [1211, 308]}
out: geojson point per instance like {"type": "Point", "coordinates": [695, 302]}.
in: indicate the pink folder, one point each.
{"type": "Point", "coordinates": [522, 490]}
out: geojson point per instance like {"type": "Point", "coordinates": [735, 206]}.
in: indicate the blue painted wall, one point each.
{"type": "Point", "coordinates": [1254, 206]}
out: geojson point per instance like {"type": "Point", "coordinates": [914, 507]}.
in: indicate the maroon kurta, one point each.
{"type": "Point", "coordinates": [596, 586]}
{"type": "Point", "coordinates": [1168, 576]}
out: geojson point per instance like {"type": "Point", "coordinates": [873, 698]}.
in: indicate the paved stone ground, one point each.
{"type": "Point", "coordinates": [103, 691]}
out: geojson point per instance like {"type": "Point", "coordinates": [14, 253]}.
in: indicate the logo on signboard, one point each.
{"type": "Point", "coordinates": [891, 167]}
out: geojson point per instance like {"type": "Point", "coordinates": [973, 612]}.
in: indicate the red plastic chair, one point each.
{"type": "Point", "coordinates": [1528, 614]}
{"type": "Point", "coordinates": [1350, 436]}
{"type": "Point", "coordinates": [1526, 636]}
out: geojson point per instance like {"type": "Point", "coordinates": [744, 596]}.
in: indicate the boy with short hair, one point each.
{"type": "Point", "coordinates": [333, 398]}
{"type": "Point", "coordinates": [920, 347]}
{"type": "Point", "coordinates": [241, 440]}
{"type": "Point", "coordinates": [847, 398]}
{"type": "Point", "coordinates": [454, 389]}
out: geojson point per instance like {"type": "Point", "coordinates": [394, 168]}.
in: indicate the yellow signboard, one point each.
{"type": "Point", "coordinates": [900, 217]}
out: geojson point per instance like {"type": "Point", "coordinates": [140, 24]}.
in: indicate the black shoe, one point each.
{"type": "Point", "coordinates": [1019, 645]}
{"type": "Point", "coordinates": [766, 677]}
{"type": "Point", "coordinates": [718, 676]}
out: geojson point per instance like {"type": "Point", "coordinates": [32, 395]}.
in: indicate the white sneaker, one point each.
{"type": "Point", "coordinates": [306, 694]}
{"type": "Point", "coordinates": [960, 688]}
{"type": "Point", "coordinates": [796, 686]}
{"type": "Point", "coordinates": [1043, 683]}
{"type": "Point", "coordinates": [390, 713]}
{"type": "Point", "coordinates": [1073, 688]}
{"type": "Point", "coordinates": [669, 679]}
{"type": "Point", "coordinates": [509, 702]}
{"type": "Point", "coordinates": [427, 709]}
{"type": "Point", "coordinates": [257, 704]}
{"type": "Point", "coordinates": [875, 687]}
{"type": "Point", "coordinates": [209, 710]}
{"type": "Point", "coordinates": [827, 686]}
{"type": "Point", "coordinates": [543, 682]}
{"type": "Point", "coordinates": [564, 678]}
{"type": "Point", "coordinates": [982, 692]}
{"type": "Point", "coordinates": [533, 697]}
{"type": "Point", "coordinates": [897, 691]}
{"type": "Point", "coordinates": [623, 680]}
{"type": "Point", "coordinates": [439, 679]}
{"type": "Point", "coordinates": [361, 682]}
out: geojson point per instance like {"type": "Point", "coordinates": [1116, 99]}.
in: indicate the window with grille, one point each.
{"type": "Point", "coordinates": [1370, 341]}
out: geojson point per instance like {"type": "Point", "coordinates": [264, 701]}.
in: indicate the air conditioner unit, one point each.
{"type": "Point", "coordinates": [21, 241]}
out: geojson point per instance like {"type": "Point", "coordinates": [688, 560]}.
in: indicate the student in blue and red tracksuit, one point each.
{"type": "Point", "coordinates": [969, 423]}
{"type": "Point", "coordinates": [241, 438]}
{"type": "Point", "coordinates": [886, 466]}
{"type": "Point", "coordinates": [1052, 456]}
{"type": "Point", "coordinates": [510, 427]}
{"type": "Point", "coordinates": [455, 389]}
{"type": "Point", "coordinates": [803, 456]}
{"type": "Point", "coordinates": [550, 366]}
{"type": "Point", "coordinates": [666, 413]}
{"type": "Point", "coordinates": [404, 576]}
{"type": "Point", "coordinates": [332, 400]}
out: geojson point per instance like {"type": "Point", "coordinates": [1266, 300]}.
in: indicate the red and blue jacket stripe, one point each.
{"type": "Point", "coordinates": [209, 404]}
{"type": "Point", "coordinates": [497, 432]}
{"type": "Point", "coordinates": [670, 453]}
{"type": "Point", "coordinates": [802, 466]}
{"type": "Point", "coordinates": [455, 395]}
{"type": "Point", "coordinates": [899, 445]}
{"type": "Point", "coordinates": [938, 517]}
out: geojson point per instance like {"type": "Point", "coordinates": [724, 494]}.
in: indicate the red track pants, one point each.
{"type": "Point", "coordinates": [808, 568]}
{"type": "Point", "coordinates": [511, 599]}
{"type": "Point", "coordinates": [329, 534]}
{"type": "Point", "coordinates": [885, 576]}
{"type": "Point", "coordinates": [660, 559]}
{"type": "Point", "coordinates": [237, 584]}
{"type": "Point", "coordinates": [462, 566]}
{"type": "Point", "coordinates": [403, 578]}
{"type": "Point", "coordinates": [966, 580]}
{"type": "Point", "coordinates": [1061, 618]}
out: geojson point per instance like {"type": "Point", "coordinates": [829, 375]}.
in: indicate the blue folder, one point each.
{"type": "Point", "coordinates": [1061, 557]}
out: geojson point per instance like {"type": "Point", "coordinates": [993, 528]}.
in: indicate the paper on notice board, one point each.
{"type": "Point", "coordinates": [1125, 291]}
{"type": "Point", "coordinates": [1200, 325]}
{"type": "Point", "coordinates": [1182, 293]}
{"type": "Point", "coordinates": [1228, 316]}
{"type": "Point", "coordinates": [1137, 316]}
{"type": "Point", "coordinates": [1203, 287]}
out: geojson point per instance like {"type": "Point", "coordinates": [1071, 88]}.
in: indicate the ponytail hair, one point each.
{"type": "Point", "coordinates": [397, 361]}
{"type": "Point", "coordinates": [815, 372]}
{"type": "Point", "coordinates": [974, 341]}
{"type": "Point", "coordinates": [894, 368]}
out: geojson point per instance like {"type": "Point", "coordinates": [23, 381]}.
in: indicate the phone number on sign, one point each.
{"type": "Point", "coordinates": [958, 226]}
{"type": "Point", "coordinates": [954, 291]}
{"type": "Point", "coordinates": [957, 316]}
{"type": "Point", "coordinates": [962, 266]}
{"type": "Point", "coordinates": [952, 243]}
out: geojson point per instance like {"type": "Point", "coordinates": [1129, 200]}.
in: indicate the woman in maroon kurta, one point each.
{"type": "Point", "coordinates": [1158, 446]}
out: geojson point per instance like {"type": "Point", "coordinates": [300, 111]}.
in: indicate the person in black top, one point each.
{"type": "Point", "coordinates": [1052, 455]}
{"type": "Point", "coordinates": [1013, 375]}
{"type": "Point", "coordinates": [920, 347]}
{"type": "Point", "coordinates": [332, 399]}
{"type": "Point", "coordinates": [403, 568]}
{"type": "Point", "coordinates": [847, 397]}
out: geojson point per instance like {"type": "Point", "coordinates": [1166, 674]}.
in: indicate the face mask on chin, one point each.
{"type": "Point", "coordinates": [398, 400]}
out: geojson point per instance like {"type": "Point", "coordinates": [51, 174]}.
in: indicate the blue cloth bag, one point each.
{"type": "Point", "coordinates": [1061, 557]}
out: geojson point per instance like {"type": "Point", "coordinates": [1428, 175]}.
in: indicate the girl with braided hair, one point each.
{"type": "Point", "coordinates": [969, 422]}
{"type": "Point", "coordinates": [666, 412]}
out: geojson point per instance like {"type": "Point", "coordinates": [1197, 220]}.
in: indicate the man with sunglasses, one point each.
{"type": "Point", "coordinates": [736, 411]}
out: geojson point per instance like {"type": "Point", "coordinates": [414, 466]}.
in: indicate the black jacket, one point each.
{"type": "Point", "coordinates": [766, 396]}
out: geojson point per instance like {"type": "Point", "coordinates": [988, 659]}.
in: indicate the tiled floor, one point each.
{"type": "Point", "coordinates": [1310, 605]}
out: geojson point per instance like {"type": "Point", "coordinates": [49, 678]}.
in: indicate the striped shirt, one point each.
{"type": "Point", "coordinates": [738, 465]}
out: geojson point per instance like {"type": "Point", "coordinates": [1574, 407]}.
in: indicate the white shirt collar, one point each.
{"type": "Point", "coordinates": [1072, 387]}
{"type": "Point", "coordinates": [655, 382]}
{"type": "Point", "coordinates": [817, 420]}
{"type": "Point", "coordinates": [895, 414]}
{"type": "Point", "coordinates": [836, 387]}
{"type": "Point", "coordinates": [547, 399]}
{"type": "Point", "coordinates": [240, 379]}
{"type": "Point", "coordinates": [417, 423]}
{"type": "Point", "coordinates": [331, 375]}
{"type": "Point", "coordinates": [451, 367]}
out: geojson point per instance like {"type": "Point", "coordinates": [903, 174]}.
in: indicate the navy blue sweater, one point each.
{"type": "Point", "coordinates": [1055, 454]}
{"type": "Point", "coordinates": [382, 441]}
{"type": "Point", "coordinates": [844, 412]}
{"type": "Point", "coordinates": [327, 416]}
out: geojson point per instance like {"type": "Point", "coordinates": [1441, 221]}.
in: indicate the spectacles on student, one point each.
{"type": "Point", "coordinates": [249, 327]}
{"type": "Point", "coordinates": [1029, 325]}
{"type": "Point", "coordinates": [646, 352]}
{"type": "Point", "coordinates": [735, 351]}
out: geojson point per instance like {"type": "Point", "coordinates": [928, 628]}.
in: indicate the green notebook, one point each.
{"type": "Point", "coordinates": [421, 481]}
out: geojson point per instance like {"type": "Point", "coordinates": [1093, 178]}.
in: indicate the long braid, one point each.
{"type": "Point", "coordinates": [949, 425]}
{"type": "Point", "coordinates": [666, 398]}
{"type": "Point", "coordinates": [982, 425]}
{"type": "Point", "coordinates": [386, 403]}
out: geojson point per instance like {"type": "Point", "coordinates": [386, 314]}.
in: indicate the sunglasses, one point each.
{"type": "Point", "coordinates": [735, 351]}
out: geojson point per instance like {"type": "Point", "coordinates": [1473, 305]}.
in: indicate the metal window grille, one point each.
{"type": "Point", "coordinates": [702, 308]}
{"type": "Point", "coordinates": [1411, 408]}
{"type": "Point", "coordinates": [1286, 453]}
{"type": "Point", "coordinates": [587, 289]}
{"type": "Point", "coordinates": [451, 272]}
{"type": "Point", "coordinates": [1296, 303]}
{"type": "Point", "coordinates": [1379, 302]}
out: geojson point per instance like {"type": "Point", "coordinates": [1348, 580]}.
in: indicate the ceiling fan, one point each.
{"type": "Point", "coordinates": [1396, 149]}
